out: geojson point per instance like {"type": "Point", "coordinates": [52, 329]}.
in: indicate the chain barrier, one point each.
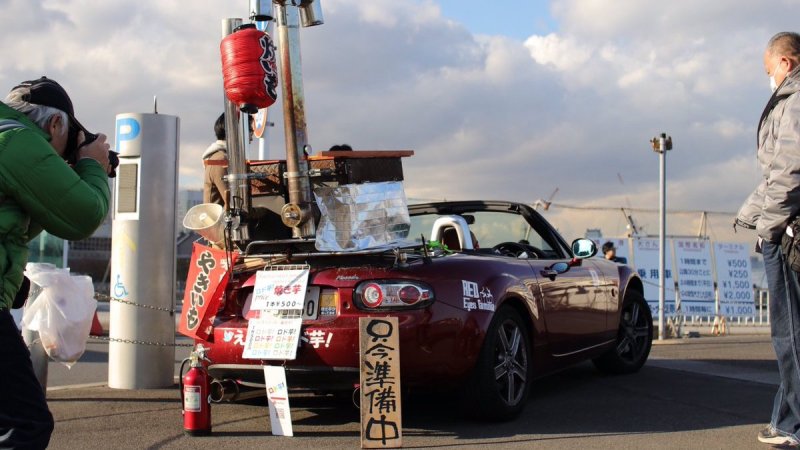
{"type": "Point", "coordinates": [134, 341]}
{"type": "Point", "coordinates": [107, 298]}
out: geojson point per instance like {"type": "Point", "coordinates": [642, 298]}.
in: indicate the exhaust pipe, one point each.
{"type": "Point", "coordinates": [297, 214]}
{"type": "Point", "coordinates": [228, 390]}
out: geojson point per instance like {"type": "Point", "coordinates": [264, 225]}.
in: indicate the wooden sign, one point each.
{"type": "Point", "coordinates": [381, 417]}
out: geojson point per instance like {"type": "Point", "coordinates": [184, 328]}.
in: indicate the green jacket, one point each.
{"type": "Point", "coordinates": [38, 190]}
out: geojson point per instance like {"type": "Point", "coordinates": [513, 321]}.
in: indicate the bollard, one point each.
{"type": "Point", "coordinates": [39, 357]}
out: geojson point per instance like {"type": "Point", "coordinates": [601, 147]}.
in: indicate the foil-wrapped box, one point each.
{"type": "Point", "coordinates": [361, 216]}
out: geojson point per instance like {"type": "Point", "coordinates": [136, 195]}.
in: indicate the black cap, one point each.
{"type": "Point", "coordinates": [47, 92]}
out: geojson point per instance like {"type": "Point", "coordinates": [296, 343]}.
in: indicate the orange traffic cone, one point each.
{"type": "Point", "coordinates": [97, 329]}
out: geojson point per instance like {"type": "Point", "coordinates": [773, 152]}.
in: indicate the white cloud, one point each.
{"type": "Point", "coordinates": [565, 54]}
{"type": "Point", "coordinates": [488, 116]}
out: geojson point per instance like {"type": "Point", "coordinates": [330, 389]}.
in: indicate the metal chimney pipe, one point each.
{"type": "Point", "coordinates": [297, 213]}
{"type": "Point", "coordinates": [238, 185]}
{"type": "Point", "coordinates": [261, 10]}
{"type": "Point", "coordinates": [310, 13]}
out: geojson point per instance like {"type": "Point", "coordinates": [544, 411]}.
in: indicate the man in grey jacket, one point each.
{"type": "Point", "coordinates": [768, 210]}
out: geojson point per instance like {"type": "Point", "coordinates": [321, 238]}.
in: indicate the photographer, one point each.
{"type": "Point", "coordinates": [39, 190]}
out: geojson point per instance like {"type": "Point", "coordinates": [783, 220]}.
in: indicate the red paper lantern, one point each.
{"type": "Point", "coordinates": [249, 71]}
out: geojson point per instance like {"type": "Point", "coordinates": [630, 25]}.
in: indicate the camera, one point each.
{"type": "Point", "coordinates": [71, 152]}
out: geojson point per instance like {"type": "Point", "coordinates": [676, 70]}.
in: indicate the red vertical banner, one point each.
{"type": "Point", "coordinates": [205, 286]}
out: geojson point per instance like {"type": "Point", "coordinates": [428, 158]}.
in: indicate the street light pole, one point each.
{"type": "Point", "coordinates": [660, 145]}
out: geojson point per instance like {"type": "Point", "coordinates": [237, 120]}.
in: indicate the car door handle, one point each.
{"type": "Point", "coordinates": [549, 273]}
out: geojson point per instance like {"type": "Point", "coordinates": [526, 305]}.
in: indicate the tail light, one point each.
{"type": "Point", "coordinates": [393, 294]}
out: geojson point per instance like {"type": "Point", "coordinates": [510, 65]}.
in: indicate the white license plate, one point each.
{"type": "Point", "coordinates": [311, 304]}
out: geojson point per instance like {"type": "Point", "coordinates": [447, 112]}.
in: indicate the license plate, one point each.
{"type": "Point", "coordinates": [311, 305]}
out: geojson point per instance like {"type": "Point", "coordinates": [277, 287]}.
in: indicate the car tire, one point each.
{"type": "Point", "coordinates": [634, 338]}
{"type": "Point", "coordinates": [498, 386]}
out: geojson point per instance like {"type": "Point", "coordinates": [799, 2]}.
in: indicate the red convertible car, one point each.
{"type": "Point", "coordinates": [489, 297]}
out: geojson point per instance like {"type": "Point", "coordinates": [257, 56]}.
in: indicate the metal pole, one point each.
{"type": "Point", "coordinates": [261, 13]}
{"type": "Point", "coordinates": [238, 185]}
{"type": "Point", "coordinates": [39, 357]}
{"type": "Point", "coordinates": [662, 225]}
{"type": "Point", "coordinates": [660, 145]}
{"type": "Point", "coordinates": [297, 213]}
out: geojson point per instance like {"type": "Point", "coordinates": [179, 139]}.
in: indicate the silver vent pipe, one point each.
{"type": "Point", "coordinates": [261, 10]}
{"type": "Point", "coordinates": [310, 13]}
{"type": "Point", "coordinates": [297, 214]}
{"type": "Point", "coordinates": [238, 184]}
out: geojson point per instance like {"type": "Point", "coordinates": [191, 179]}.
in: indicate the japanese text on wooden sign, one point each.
{"type": "Point", "coordinates": [381, 425]}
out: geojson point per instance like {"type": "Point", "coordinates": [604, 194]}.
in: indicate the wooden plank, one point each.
{"type": "Point", "coordinates": [381, 415]}
{"type": "Point", "coordinates": [363, 154]}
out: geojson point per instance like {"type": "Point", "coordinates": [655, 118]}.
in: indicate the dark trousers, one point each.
{"type": "Point", "coordinates": [784, 316]}
{"type": "Point", "coordinates": [25, 420]}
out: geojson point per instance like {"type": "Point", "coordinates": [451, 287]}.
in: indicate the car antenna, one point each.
{"type": "Point", "coordinates": [425, 256]}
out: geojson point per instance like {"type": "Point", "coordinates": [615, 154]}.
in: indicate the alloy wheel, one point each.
{"type": "Point", "coordinates": [633, 333]}
{"type": "Point", "coordinates": [511, 362]}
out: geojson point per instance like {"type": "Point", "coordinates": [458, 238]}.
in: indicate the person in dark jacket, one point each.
{"type": "Point", "coordinates": [610, 253]}
{"type": "Point", "coordinates": [768, 210]}
{"type": "Point", "coordinates": [39, 190]}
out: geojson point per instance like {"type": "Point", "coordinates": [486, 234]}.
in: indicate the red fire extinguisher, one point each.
{"type": "Point", "coordinates": [195, 396]}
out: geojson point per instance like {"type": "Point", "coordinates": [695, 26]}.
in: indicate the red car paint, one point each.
{"type": "Point", "coordinates": [571, 317]}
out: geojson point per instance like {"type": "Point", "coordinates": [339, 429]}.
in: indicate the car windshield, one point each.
{"type": "Point", "coordinates": [489, 228]}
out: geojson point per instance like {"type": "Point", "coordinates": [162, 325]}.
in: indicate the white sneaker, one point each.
{"type": "Point", "coordinates": [772, 436]}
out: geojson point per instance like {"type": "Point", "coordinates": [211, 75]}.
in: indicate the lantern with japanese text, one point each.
{"type": "Point", "coordinates": [249, 70]}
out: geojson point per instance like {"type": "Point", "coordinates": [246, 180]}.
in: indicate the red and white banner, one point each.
{"type": "Point", "coordinates": [205, 286]}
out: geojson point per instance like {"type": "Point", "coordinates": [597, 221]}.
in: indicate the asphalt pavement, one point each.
{"type": "Point", "coordinates": [706, 392]}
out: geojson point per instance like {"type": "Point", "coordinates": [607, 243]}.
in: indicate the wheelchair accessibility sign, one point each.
{"type": "Point", "coordinates": [119, 290]}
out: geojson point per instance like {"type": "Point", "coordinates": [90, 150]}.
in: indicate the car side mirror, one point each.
{"type": "Point", "coordinates": [584, 248]}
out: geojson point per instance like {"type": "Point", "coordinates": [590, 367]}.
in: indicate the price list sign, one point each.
{"type": "Point", "coordinates": [734, 279]}
{"type": "Point", "coordinates": [280, 289]}
{"type": "Point", "coordinates": [645, 260]}
{"type": "Point", "coordinates": [695, 277]}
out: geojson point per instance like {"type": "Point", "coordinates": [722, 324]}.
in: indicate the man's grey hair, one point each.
{"type": "Point", "coordinates": [786, 44]}
{"type": "Point", "coordinates": [39, 114]}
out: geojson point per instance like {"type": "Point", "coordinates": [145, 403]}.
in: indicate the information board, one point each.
{"type": "Point", "coordinates": [645, 260]}
{"type": "Point", "coordinates": [734, 279]}
{"type": "Point", "coordinates": [695, 277]}
{"type": "Point", "coordinates": [272, 338]}
{"type": "Point", "coordinates": [280, 289]}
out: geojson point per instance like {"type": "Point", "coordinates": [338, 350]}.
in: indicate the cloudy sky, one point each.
{"type": "Point", "coordinates": [500, 100]}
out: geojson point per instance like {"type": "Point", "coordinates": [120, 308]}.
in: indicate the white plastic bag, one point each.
{"type": "Point", "coordinates": [61, 308]}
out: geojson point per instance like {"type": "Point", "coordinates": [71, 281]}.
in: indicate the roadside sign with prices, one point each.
{"type": "Point", "coordinates": [734, 279]}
